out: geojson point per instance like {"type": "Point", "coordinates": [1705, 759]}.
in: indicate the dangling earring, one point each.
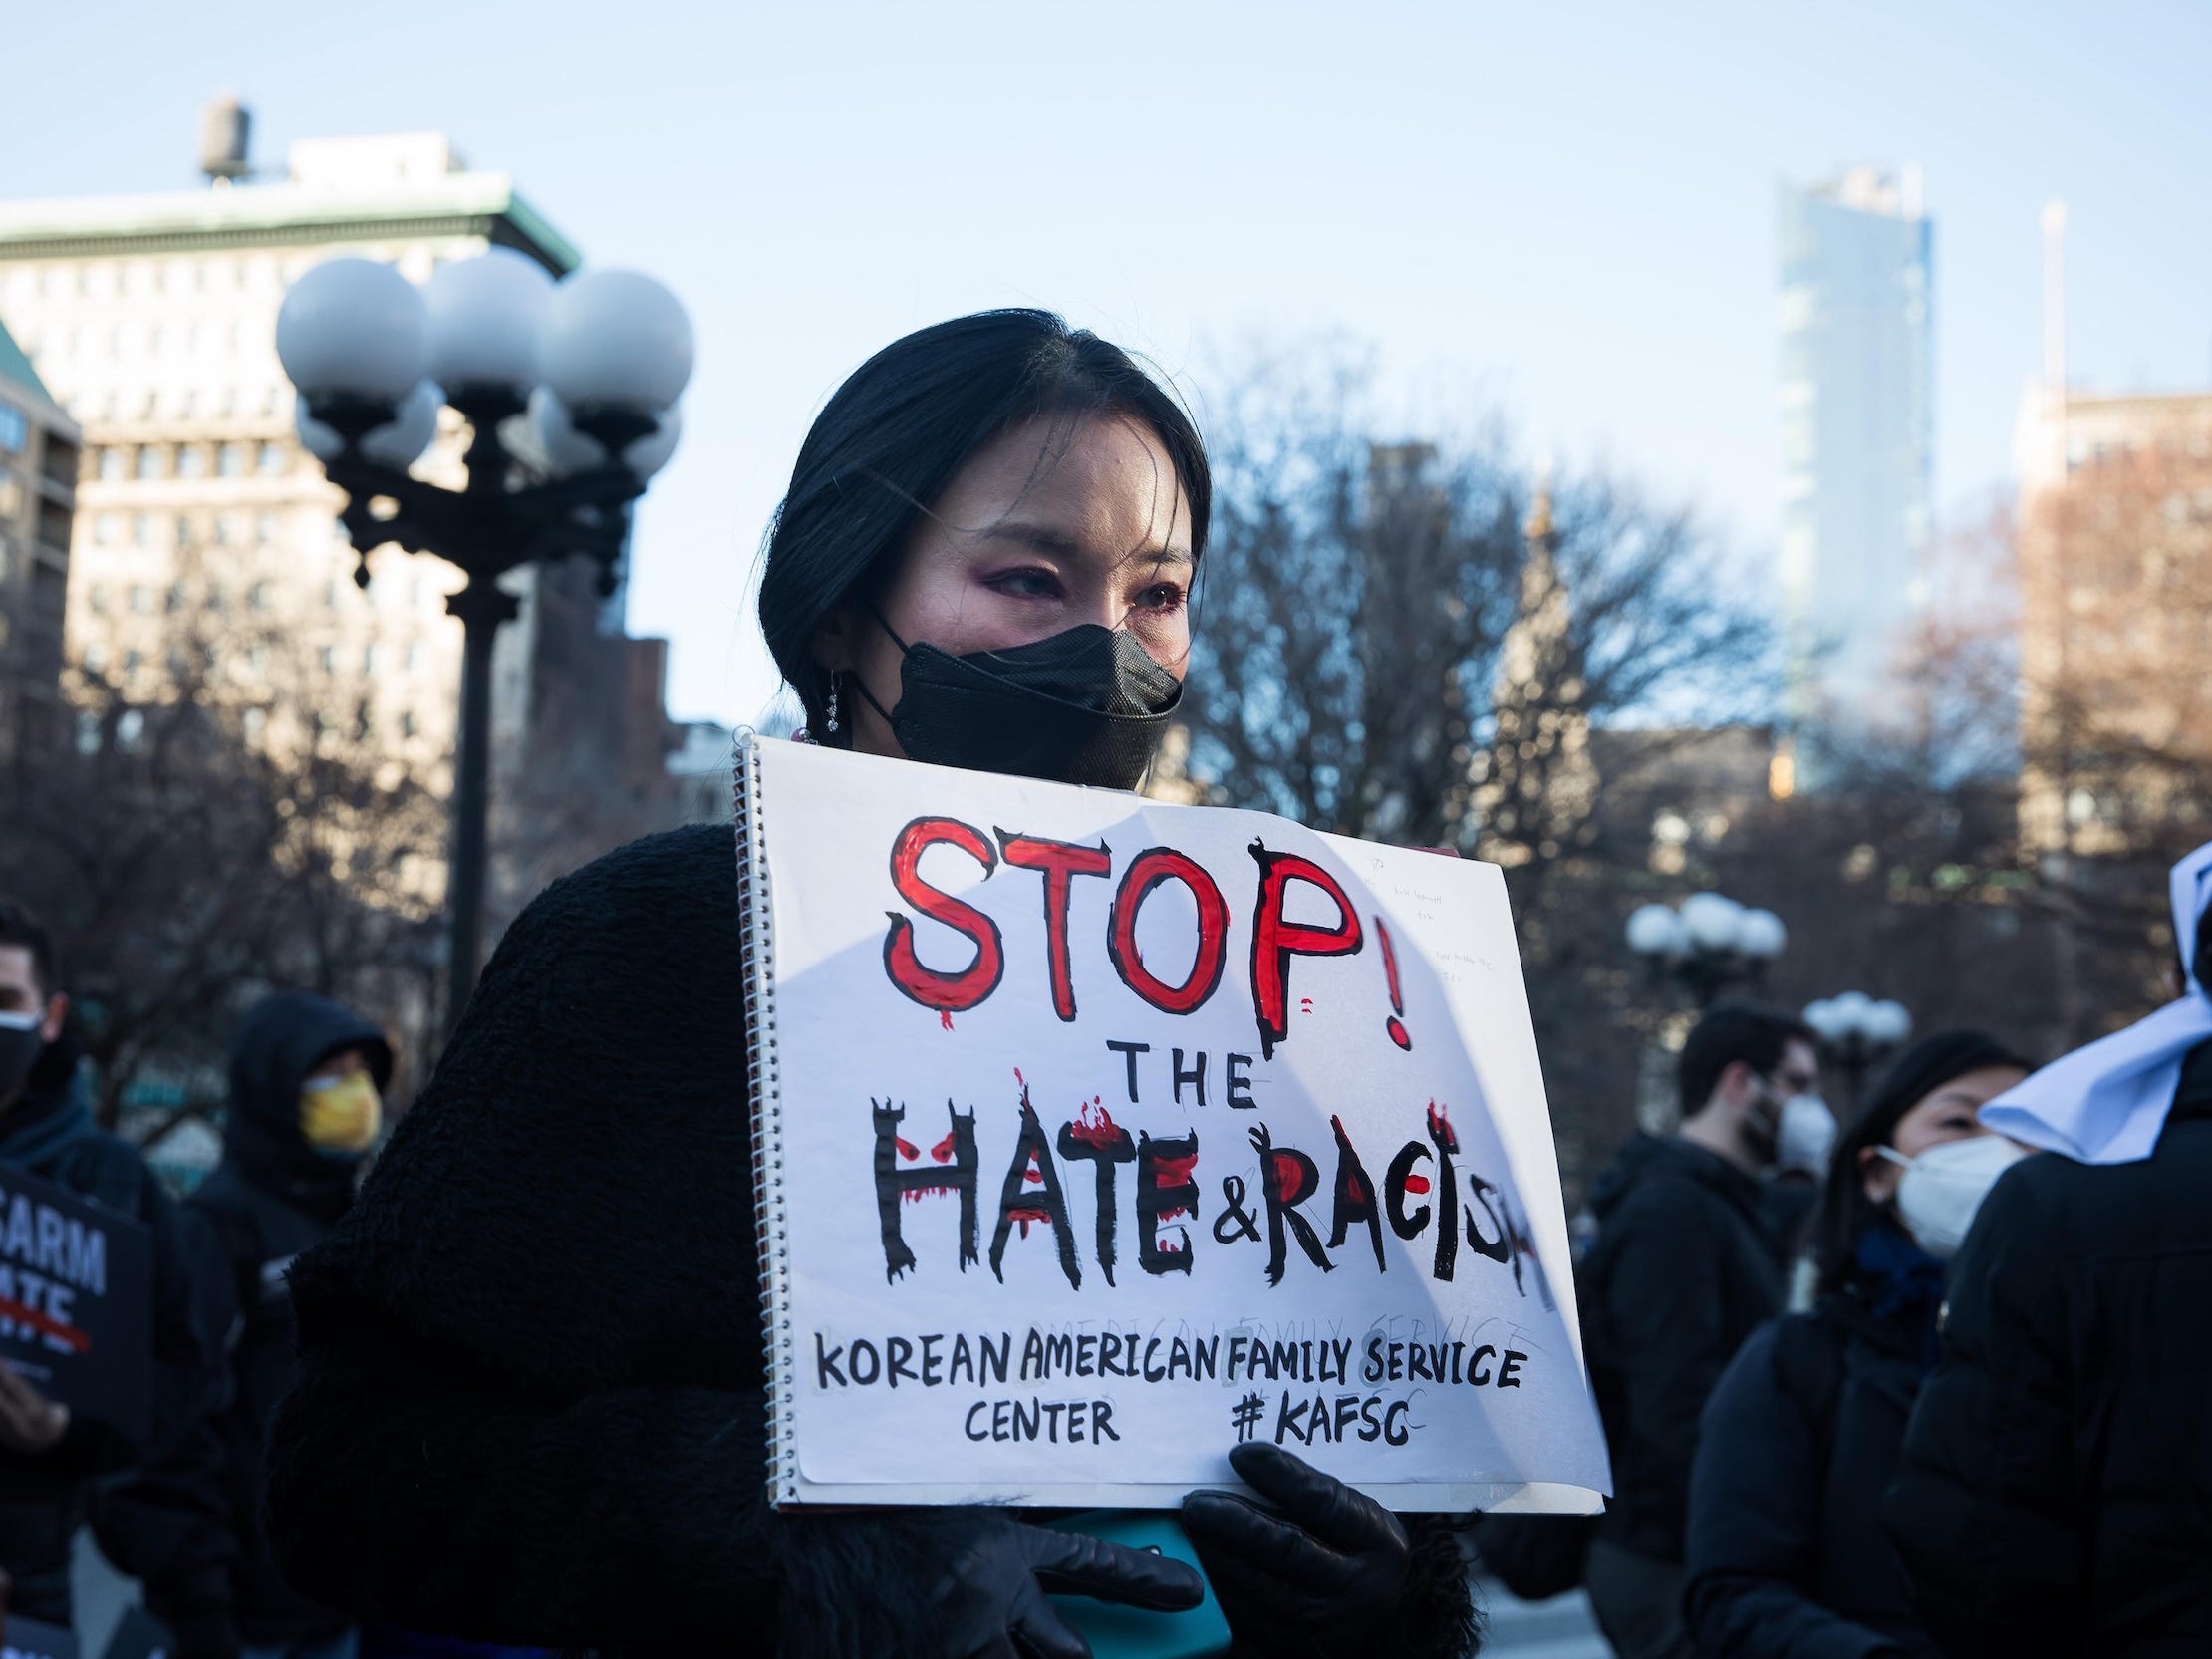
{"type": "Point", "coordinates": [830, 725]}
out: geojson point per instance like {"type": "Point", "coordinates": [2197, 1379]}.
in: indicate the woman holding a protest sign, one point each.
{"type": "Point", "coordinates": [532, 1398]}
{"type": "Point", "coordinates": [1804, 1430]}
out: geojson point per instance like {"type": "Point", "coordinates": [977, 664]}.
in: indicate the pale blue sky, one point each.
{"type": "Point", "coordinates": [1565, 209]}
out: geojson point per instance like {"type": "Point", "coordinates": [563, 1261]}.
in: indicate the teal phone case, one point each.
{"type": "Point", "coordinates": [1117, 1632]}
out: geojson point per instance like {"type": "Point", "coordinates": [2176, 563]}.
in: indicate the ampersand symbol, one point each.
{"type": "Point", "coordinates": [1241, 1223]}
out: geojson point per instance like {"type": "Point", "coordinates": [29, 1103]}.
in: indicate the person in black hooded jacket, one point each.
{"type": "Point", "coordinates": [1786, 1555]}
{"type": "Point", "coordinates": [1688, 1259]}
{"type": "Point", "coordinates": [531, 1397]}
{"type": "Point", "coordinates": [305, 1082]}
{"type": "Point", "coordinates": [49, 1456]}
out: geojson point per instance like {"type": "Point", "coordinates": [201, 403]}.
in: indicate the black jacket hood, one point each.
{"type": "Point", "coordinates": [280, 1042]}
{"type": "Point", "coordinates": [1646, 1156]}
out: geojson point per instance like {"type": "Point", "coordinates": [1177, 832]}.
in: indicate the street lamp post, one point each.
{"type": "Point", "coordinates": [1707, 944]}
{"type": "Point", "coordinates": [592, 366]}
{"type": "Point", "coordinates": [1856, 1034]}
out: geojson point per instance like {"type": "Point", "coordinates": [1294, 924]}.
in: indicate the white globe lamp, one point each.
{"type": "Point", "coordinates": [353, 327]}
{"type": "Point", "coordinates": [485, 317]}
{"type": "Point", "coordinates": [614, 339]}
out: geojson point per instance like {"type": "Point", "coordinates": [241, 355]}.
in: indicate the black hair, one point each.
{"type": "Point", "coordinates": [1729, 1032]}
{"type": "Point", "coordinates": [893, 436]}
{"type": "Point", "coordinates": [18, 927]}
{"type": "Point", "coordinates": [1913, 1076]}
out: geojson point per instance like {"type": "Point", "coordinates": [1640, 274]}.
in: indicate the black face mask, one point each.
{"type": "Point", "coordinates": [20, 1047]}
{"type": "Point", "coordinates": [1087, 706]}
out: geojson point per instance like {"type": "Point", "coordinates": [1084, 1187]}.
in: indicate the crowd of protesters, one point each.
{"type": "Point", "coordinates": [1987, 1427]}
{"type": "Point", "coordinates": [512, 1390]}
{"type": "Point", "coordinates": [176, 1504]}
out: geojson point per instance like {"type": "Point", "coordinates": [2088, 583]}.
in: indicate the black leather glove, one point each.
{"type": "Point", "coordinates": [991, 1602]}
{"type": "Point", "coordinates": [1317, 1575]}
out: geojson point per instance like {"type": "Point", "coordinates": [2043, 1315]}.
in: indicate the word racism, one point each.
{"type": "Point", "coordinates": [1275, 941]}
{"type": "Point", "coordinates": [1166, 1188]}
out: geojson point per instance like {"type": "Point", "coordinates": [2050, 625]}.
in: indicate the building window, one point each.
{"type": "Point", "coordinates": [142, 529]}
{"type": "Point", "coordinates": [258, 596]}
{"type": "Point", "coordinates": [406, 725]}
{"type": "Point", "coordinates": [270, 463]}
{"type": "Point", "coordinates": [264, 527]}
{"type": "Point", "coordinates": [230, 460]}
{"type": "Point", "coordinates": [371, 657]}
{"type": "Point", "coordinates": [326, 657]}
{"type": "Point", "coordinates": [150, 457]}
{"type": "Point", "coordinates": [141, 599]}
{"type": "Point", "coordinates": [254, 723]}
{"type": "Point", "coordinates": [184, 536]}
{"type": "Point", "coordinates": [97, 596]}
{"type": "Point", "coordinates": [214, 596]}
{"type": "Point", "coordinates": [133, 662]}
{"type": "Point", "coordinates": [112, 465]}
{"type": "Point", "coordinates": [257, 660]}
{"type": "Point", "coordinates": [95, 657]}
{"type": "Point", "coordinates": [414, 657]}
{"type": "Point", "coordinates": [15, 430]}
{"type": "Point", "coordinates": [105, 528]}
{"type": "Point", "coordinates": [192, 459]}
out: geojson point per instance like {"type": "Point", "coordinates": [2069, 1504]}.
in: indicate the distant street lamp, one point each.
{"type": "Point", "coordinates": [569, 391]}
{"type": "Point", "coordinates": [1707, 944]}
{"type": "Point", "coordinates": [1858, 1033]}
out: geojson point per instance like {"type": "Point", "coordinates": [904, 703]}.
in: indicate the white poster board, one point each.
{"type": "Point", "coordinates": [1096, 1136]}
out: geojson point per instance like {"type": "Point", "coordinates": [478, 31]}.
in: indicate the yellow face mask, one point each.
{"type": "Point", "coordinates": [340, 1115]}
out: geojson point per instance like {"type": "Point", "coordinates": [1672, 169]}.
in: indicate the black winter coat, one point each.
{"type": "Point", "coordinates": [531, 1397]}
{"type": "Point", "coordinates": [2057, 1489]}
{"type": "Point", "coordinates": [1686, 1263]}
{"type": "Point", "coordinates": [1787, 1557]}
{"type": "Point", "coordinates": [49, 1132]}
{"type": "Point", "coordinates": [191, 1525]}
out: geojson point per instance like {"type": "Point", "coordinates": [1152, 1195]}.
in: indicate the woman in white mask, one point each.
{"type": "Point", "coordinates": [2055, 1495]}
{"type": "Point", "coordinates": [1786, 1552]}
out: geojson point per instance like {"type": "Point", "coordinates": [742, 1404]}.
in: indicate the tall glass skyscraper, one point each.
{"type": "Point", "coordinates": [1858, 405]}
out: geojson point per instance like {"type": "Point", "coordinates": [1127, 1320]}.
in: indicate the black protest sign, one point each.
{"type": "Point", "coordinates": [29, 1639]}
{"type": "Point", "coordinates": [76, 1308]}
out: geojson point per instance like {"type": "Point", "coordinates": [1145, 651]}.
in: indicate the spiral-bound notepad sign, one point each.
{"type": "Point", "coordinates": [1097, 1135]}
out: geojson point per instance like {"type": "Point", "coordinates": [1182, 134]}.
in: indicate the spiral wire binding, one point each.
{"type": "Point", "coordinates": [756, 961]}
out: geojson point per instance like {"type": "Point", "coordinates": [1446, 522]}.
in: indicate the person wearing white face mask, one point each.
{"type": "Point", "coordinates": [2057, 1482]}
{"type": "Point", "coordinates": [1785, 1548]}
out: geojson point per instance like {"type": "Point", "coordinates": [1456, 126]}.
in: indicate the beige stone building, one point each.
{"type": "Point", "coordinates": [207, 547]}
{"type": "Point", "coordinates": [38, 493]}
{"type": "Point", "coordinates": [2116, 594]}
